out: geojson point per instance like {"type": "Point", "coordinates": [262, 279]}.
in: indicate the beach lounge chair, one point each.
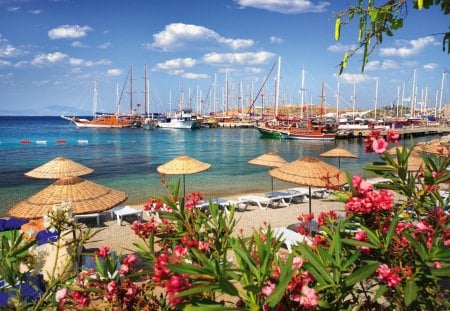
{"type": "Point", "coordinates": [287, 197]}
{"type": "Point", "coordinates": [320, 193]}
{"type": "Point", "coordinates": [122, 211]}
{"type": "Point", "coordinates": [262, 202]}
{"type": "Point", "coordinates": [92, 215]}
{"type": "Point", "coordinates": [291, 238]}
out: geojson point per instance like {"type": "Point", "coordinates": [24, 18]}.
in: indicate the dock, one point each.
{"type": "Point", "coordinates": [407, 131]}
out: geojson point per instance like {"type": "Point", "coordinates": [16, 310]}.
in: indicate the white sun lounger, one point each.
{"type": "Point", "coordinates": [91, 215]}
{"type": "Point", "coordinates": [121, 211]}
{"type": "Point", "coordinates": [291, 238]}
{"type": "Point", "coordinates": [287, 197]}
{"type": "Point", "coordinates": [262, 202]}
{"type": "Point", "coordinates": [315, 192]}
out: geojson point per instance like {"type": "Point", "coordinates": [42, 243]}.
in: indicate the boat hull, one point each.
{"type": "Point", "coordinates": [101, 122]}
{"type": "Point", "coordinates": [179, 124]}
{"type": "Point", "coordinates": [269, 132]}
{"type": "Point", "coordinates": [306, 136]}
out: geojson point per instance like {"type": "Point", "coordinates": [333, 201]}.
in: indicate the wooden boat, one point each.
{"type": "Point", "coordinates": [102, 121]}
{"type": "Point", "coordinates": [310, 130]}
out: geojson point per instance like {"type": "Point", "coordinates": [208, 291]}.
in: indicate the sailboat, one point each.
{"type": "Point", "coordinates": [103, 120]}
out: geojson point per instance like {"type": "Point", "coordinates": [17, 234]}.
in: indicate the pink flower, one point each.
{"type": "Point", "coordinates": [388, 275]}
{"type": "Point", "coordinates": [297, 263]}
{"type": "Point", "coordinates": [124, 269]}
{"type": "Point", "coordinates": [103, 252]}
{"type": "Point", "coordinates": [309, 298]}
{"type": "Point", "coordinates": [179, 251]}
{"type": "Point", "coordinates": [361, 186]}
{"type": "Point", "coordinates": [61, 294]}
{"type": "Point", "coordinates": [437, 264]}
{"type": "Point", "coordinates": [268, 289]}
{"type": "Point", "coordinates": [129, 259]}
{"type": "Point", "coordinates": [392, 136]}
{"type": "Point", "coordinates": [379, 145]}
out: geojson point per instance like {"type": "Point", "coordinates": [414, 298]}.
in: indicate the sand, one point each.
{"type": "Point", "coordinates": [120, 238]}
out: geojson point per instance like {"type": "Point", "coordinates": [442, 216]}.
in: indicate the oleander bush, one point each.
{"type": "Point", "coordinates": [390, 252]}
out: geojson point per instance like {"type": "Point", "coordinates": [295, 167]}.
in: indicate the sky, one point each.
{"type": "Point", "coordinates": [53, 52]}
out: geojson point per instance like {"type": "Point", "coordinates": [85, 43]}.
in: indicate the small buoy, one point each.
{"type": "Point", "coordinates": [60, 141]}
{"type": "Point", "coordinates": [83, 141]}
{"type": "Point", "coordinates": [25, 141]}
{"type": "Point", "coordinates": [41, 142]}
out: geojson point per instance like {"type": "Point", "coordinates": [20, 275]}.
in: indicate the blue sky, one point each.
{"type": "Point", "coordinates": [52, 52]}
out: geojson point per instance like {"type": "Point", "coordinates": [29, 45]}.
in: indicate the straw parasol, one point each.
{"type": "Point", "coordinates": [415, 161]}
{"type": "Point", "coordinates": [59, 167]}
{"type": "Point", "coordinates": [86, 197]}
{"type": "Point", "coordinates": [309, 171]}
{"type": "Point", "coordinates": [393, 150]}
{"type": "Point", "coordinates": [270, 159]}
{"type": "Point", "coordinates": [338, 153]}
{"type": "Point", "coordinates": [181, 166]}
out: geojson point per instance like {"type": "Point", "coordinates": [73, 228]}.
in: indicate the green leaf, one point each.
{"type": "Point", "coordinates": [380, 292]}
{"type": "Point", "coordinates": [228, 287]}
{"type": "Point", "coordinates": [442, 272]}
{"type": "Point", "coordinates": [361, 274]}
{"type": "Point", "coordinates": [410, 292]}
{"type": "Point", "coordinates": [315, 262]}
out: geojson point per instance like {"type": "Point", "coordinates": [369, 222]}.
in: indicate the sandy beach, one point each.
{"type": "Point", "coordinates": [121, 238]}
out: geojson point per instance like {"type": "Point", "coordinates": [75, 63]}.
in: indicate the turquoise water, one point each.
{"type": "Point", "coordinates": [126, 159]}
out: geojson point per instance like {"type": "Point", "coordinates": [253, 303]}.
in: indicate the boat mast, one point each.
{"type": "Point", "coordinates": [302, 91]}
{"type": "Point", "coordinates": [277, 90]}
{"type": "Point", "coordinates": [131, 90]}
{"type": "Point", "coordinates": [442, 92]}
{"type": "Point", "coordinates": [94, 100]}
{"type": "Point", "coordinates": [338, 94]}
{"type": "Point", "coordinates": [376, 99]}
{"type": "Point", "coordinates": [145, 91]}
{"type": "Point", "coordinates": [322, 99]}
{"type": "Point", "coordinates": [413, 97]}
{"type": "Point", "coordinates": [354, 99]}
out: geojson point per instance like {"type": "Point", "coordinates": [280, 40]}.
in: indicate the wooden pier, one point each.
{"type": "Point", "coordinates": [407, 131]}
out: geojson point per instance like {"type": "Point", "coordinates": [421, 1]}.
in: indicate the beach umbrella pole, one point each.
{"type": "Point", "coordinates": [310, 208]}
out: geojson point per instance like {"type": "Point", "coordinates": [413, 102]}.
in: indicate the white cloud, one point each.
{"type": "Point", "coordinates": [430, 66]}
{"type": "Point", "coordinates": [350, 78]}
{"type": "Point", "coordinates": [69, 32]}
{"type": "Point", "coordinates": [341, 48]}
{"type": "Point", "coordinates": [35, 12]}
{"type": "Point", "coordinates": [372, 65]}
{"type": "Point", "coordinates": [177, 36]}
{"type": "Point", "coordinates": [276, 40]}
{"type": "Point", "coordinates": [78, 44]}
{"type": "Point", "coordinates": [88, 63]}
{"type": "Point", "coordinates": [4, 63]}
{"type": "Point", "coordinates": [389, 65]}
{"type": "Point", "coordinates": [175, 64]}
{"type": "Point", "coordinates": [194, 76]}
{"type": "Point", "coordinates": [285, 6]}
{"type": "Point", "coordinates": [408, 48]}
{"type": "Point", "coordinates": [105, 45]}
{"type": "Point", "coordinates": [114, 72]}
{"type": "Point", "coordinates": [245, 58]}
{"type": "Point", "coordinates": [14, 9]}
{"type": "Point", "coordinates": [50, 58]}
{"type": "Point", "coordinates": [8, 51]}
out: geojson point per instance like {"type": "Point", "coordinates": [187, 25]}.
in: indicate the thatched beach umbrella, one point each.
{"type": "Point", "coordinates": [338, 153]}
{"type": "Point", "coordinates": [310, 172]}
{"type": "Point", "coordinates": [58, 168]}
{"type": "Point", "coordinates": [270, 159]}
{"type": "Point", "coordinates": [415, 161]}
{"type": "Point", "coordinates": [86, 197]}
{"type": "Point", "coordinates": [183, 165]}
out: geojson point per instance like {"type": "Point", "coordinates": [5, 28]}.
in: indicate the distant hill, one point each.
{"type": "Point", "coordinates": [52, 110]}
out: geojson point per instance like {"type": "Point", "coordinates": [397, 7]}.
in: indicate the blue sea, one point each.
{"type": "Point", "coordinates": [126, 159]}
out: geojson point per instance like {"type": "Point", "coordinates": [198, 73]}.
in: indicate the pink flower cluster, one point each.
{"type": "Point", "coordinates": [376, 143]}
{"type": "Point", "coordinates": [191, 200]}
{"type": "Point", "coordinates": [367, 200]}
{"type": "Point", "coordinates": [388, 275]}
{"type": "Point", "coordinates": [143, 229]}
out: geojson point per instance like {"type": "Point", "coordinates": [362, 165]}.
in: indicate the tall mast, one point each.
{"type": "Point", "coordinates": [322, 99]}
{"type": "Point", "coordinates": [338, 95]}
{"type": "Point", "coordinates": [354, 99]}
{"type": "Point", "coordinates": [94, 100]}
{"type": "Point", "coordinates": [277, 90]}
{"type": "Point", "coordinates": [146, 103]}
{"type": "Point", "coordinates": [302, 92]}
{"type": "Point", "coordinates": [413, 96]}
{"type": "Point", "coordinates": [131, 90]}
{"type": "Point", "coordinates": [442, 92]}
{"type": "Point", "coordinates": [376, 99]}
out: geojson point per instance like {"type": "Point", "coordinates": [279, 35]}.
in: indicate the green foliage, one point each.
{"type": "Point", "coordinates": [376, 21]}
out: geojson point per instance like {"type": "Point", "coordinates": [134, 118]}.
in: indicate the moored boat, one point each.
{"type": "Point", "coordinates": [183, 119]}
